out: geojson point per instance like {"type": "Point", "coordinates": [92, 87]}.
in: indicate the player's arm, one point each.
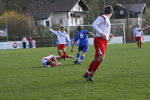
{"type": "Point", "coordinates": [55, 61]}
{"type": "Point", "coordinates": [68, 38]}
{"type": "Point", "coordinates": [96, 23]}
{"type": "Point", "coordinates": [146, 28]}
{"type": "Point", "coordinates": [133, 31]}
{"type": "Point", "coordinates": [73, 46]}
{"type": "Point", "coordinates": [74, 42]}
{"type": "Point", "coordinates": [54, 32]}
{"type": "Point", "coordinates": [91, 34]}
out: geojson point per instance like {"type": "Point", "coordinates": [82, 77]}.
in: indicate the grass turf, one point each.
{"type": "Point", "coordinates": [124, 75]}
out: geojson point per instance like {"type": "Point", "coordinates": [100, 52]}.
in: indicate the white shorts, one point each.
{"type": "Point", "coordinates": [44, 62]}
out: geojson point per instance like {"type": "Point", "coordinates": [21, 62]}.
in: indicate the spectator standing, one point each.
{"type": "Point", "coordinates": [30, 42]}
{"type": "Point", "coordinates": [24, 42]}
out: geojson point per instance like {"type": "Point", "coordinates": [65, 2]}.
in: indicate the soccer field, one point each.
{"type": "Point", "coordinates": [124, 75]}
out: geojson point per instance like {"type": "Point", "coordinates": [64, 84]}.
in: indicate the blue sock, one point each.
{"type": "Point", "coordinates": [82, 57]}
{"type": "Point", "coordinates": [78, 55]}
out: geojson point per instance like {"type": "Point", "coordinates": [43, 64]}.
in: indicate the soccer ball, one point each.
{"type": "Point", "coordinates": [110, 37]}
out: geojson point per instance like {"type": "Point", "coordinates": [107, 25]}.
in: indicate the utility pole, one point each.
{"type": "Point", "coordinates": [6, 26]}
{"type": "Point", "coordinates": [29, 24]}
{"type": "Point", "coordinates": [128, 24]}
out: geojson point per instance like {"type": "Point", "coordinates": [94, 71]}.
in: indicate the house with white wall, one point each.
{"type": "Point", "coordinates": [63, 12]}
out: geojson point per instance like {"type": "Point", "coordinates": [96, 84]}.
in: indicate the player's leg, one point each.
{"type": "Point", "coordinates": [55, 64]}
{"type": "Point", "coordinates": [140, 42]}
{"type": "Point", "coordinates": [54, 61]}
{"type": "Point", "coordinates": [59, 48]}
{"type": "Point", "coordinates": [137, 44]}
{"type": "Point", "coordinates": [98, 61]}
{"type": "Point", "coordinates": [77, 55]}
{"type": "Point", "coordinates": [94, 64]}
{"type": "Point", "coordinates": [138, 39]}
{"type": "Point", "coordinates": [100, 47]}
{"type": "Point", "coordinates": [82, 57]}
{"type": "Point", "coordinates": [64, 52]}
{"type": "Point", "coordinates": [84, 51]}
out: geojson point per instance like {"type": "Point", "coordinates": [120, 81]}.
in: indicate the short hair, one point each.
{"type": "Point", "coordinates": [61, 27]}
{"type": "Point", "coordinates": [49, 62]}
{"type": "Point", "coordinates": [108, 9]}
{"type": "Point", "coordinates": [79, 28]}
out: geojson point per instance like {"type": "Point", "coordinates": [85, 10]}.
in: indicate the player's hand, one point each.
{"type": "Point", "coordinates": [71, 49]}
{"type": "Point", "coordinates": [103, 36]}
{"type": "Point", "coordinates": [71, 42]}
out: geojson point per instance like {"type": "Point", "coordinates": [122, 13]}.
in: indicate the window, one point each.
{"type": "Point", "coordinates": [121, 12]}
{"type": "Point", "coordinates": [61, 22]}
{"type": "Point", "coordinates": [47, 23]}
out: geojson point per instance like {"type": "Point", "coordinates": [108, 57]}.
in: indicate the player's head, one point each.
{"type": "Point", "coordinates": [49, 62]}
{"type": "Point", "coordinates": [108, 9]}
{"type": "Point", "coordinates": [62, 28]}
{"type": "Point", "coordinates": [79, 28]}
{"type": "Point", "coordinates": [138, 25]}
{"type": "Point", "coordinates": [46, 63]}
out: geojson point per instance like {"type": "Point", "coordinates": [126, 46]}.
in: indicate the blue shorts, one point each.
{"type": "Point", "coordinates": [83, 48]}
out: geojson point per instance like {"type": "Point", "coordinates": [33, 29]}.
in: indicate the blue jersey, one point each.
{"type": "Point", "coordinates": [82, 37]}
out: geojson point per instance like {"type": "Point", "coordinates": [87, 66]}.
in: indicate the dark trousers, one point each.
{"type": "Point", "coordinates": [30, 45]}
{"type": "Point", "coordinates": [24, 44]}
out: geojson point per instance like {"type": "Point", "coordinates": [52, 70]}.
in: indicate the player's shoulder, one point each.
{"type": "Point", "coordinates": [50, 56]}
{"type": "Point", "coordinates": [102, 17]}
{"type": "Point", "coordinates": [65, 33]}
{"type": "Point", "coordinates": [84, 31]}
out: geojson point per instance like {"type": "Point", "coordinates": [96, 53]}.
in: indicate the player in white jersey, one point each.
{"type": "Point", "coordinates": [62, 36]}
{"type": "Point", "coordinates": [50, 61]}
{"type": "Point", "coordinates": [102, 27]}
{"type": "Point", "coordinates": [138, 33]}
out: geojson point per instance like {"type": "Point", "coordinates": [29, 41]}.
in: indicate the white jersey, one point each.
{"type": "Point", "coordinates": [102, 26]}
{"type": "Point", "coordinates": [45, 59]}
{"type": "Point", "coordinates": [24, 39]}
{"type": "Point", "coordinates": [48, 57]}
{"type": "Point", "coordinates": [61, 36]}
{"type": "Point", "coordinates": [137, 32]}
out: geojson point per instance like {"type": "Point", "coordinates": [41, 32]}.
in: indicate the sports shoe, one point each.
{"type": "Point", "coordinates": [76, 61]}
{"type": "Point", "coordinates": [89, 78]}
{"type": "Point", "coordinates": [70, 56]}
{"type": "Point", "coordinates": [79, 62]}
{"type": "Point", "coordinates": [85, 76]}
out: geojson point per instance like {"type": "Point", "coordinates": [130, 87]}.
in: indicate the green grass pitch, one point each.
{"type": "Point", "coordinates": [124, 75]}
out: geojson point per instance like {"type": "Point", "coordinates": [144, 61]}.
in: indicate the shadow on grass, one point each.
{"type": "Point", "coordinates": [63, 65]}
{"type": "Point", "coordinates": [39, 67]}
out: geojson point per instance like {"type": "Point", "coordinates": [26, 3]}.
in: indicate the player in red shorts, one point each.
{"type": "Point", "coordinates": [50, 61]}
{"type": "Point", "coordinates": [62, 36]}
{"type": "Point", "coordinates": [102, 27]}
{"type": "Point", "coordinates": [138, 33]}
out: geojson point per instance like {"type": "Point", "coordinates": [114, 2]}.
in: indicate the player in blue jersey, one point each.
{"type": "Point", "coordinates": [82, 36]}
